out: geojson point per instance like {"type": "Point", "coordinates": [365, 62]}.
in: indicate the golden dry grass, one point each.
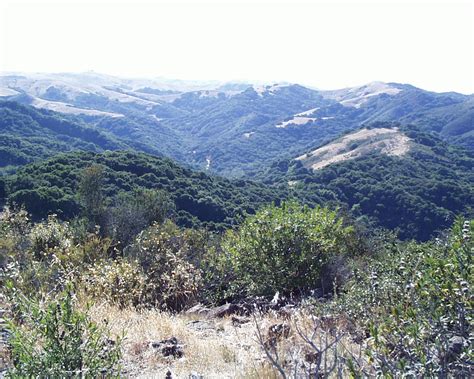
{"type": "Point", "coordinates": [387, 141]}
{"type": "Point", "coordinates": [218, 349]}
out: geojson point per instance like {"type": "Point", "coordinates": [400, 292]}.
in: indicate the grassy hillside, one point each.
{"type": "Point", "coordinates": [417, 193]}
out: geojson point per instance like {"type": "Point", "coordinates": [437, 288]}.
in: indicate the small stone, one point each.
{"type": "Point", "coordinates": [198, 309]}
{"type": "Point", "coordinates": [169, 347]}
{"type": "Point", "coordinates": [200, 325]}
{"type": "Point", "coordinates": [195, 375]}
{"type": "Point", "coordinates": [223, 310]}
{"type": "Point", "coordinates": [238, 321]}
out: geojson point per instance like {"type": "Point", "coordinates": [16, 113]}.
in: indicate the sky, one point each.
{"type": "Point", "coordinates": [324, 44]}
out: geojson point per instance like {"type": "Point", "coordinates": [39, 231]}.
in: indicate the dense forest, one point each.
{"type": "Point", "coordinates": [418, 194]}
{"type": "Point", "coordinates": [198, 199]}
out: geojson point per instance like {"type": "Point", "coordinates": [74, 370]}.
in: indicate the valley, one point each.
{"type": "Point", "coordinates": [193, 121]}
{"type": "Point", "coordinates": [234, 230]}
{"type": "Point", "coordinates": [222, 189]}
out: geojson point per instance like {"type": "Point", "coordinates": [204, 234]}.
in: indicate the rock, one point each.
{"type": "Point", "coordinates": [200, 325]}
{"type": "Point", "coordinates": [223, 310]}
{"type": "Point", "coordinates": [276, 298]}
{"type": "Point", "coordinates": [275, 333]}
{"type": "Point", "coordinates": [198, 309]}
{"type": "Point", "coordinates": [195, 375]}
{"type": "Point", "coordinates": [169, 347]}
{"type": "Point", "coordinates": [168, 375]}
{"type": "Point", "coordinates": [238, 321]}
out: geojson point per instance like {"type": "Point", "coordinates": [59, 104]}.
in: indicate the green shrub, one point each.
{"type": "Point", "coordinates": [134, 212]}
{"type": "Point", "coordinates": [164, 253]}
{"type": "Point", "coordinates": [117, 281]}
{"type": "Point", "coordinates": [282, 249]}
{"type": "Point", "coordinates": [50, 237]}
{"type": "Point", "coordinates": [51, 338]}
{"type": "Point", "coordinates": [416, 304]}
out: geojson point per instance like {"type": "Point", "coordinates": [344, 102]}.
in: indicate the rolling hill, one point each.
{"type": "Point", "coordinates": [235, 128]}
{"type": "Point", "coordinates": [394, 176]}
{"type": "Point", "coordinates": [384, 174]}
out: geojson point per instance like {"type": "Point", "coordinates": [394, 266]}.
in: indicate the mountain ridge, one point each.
{"type": "Point", "coordinates": [232, 125]}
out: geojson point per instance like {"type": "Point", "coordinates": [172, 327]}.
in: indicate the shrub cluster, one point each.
{"type": "Point", "coordinates": [415, 301]}
{"type": "Point", "coordinates": [410, 304]}
{"type": "Point", "coordinates": [156, 270]}
{"type": "Point", "coordinates": [285, 249]}
{"type": "Point", "coordinates": [50, 337]}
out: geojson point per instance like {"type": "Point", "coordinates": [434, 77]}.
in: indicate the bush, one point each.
{"type": "Point", "coordinates": [50, 237]}
{"type": "Point", "coordinates": [119, 282]}
{"type": "Point", "coordinates": [164, 253]}
{"type": "Point", "coordinates": [416, 304]}
{"type": "Point", "coordinates": [134, 212]}
{"type": "Point", "coordinates": [44, 256]}
{"type": "Point", "coordinates": [282, 249]}
{"type": "Point", "coordinates": [51, 338]}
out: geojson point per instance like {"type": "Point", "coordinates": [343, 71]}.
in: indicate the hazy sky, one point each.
{"type": "Point", "coordinates": [326, 44]}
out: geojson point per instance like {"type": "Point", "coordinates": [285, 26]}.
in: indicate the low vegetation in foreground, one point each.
{"type": "Point", "coordinates": [293, 291]}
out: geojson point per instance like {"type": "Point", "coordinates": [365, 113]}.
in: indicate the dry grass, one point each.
{"type": "Point", "coordinates": [386, 141]}
{"type": "Point", "coordinates": [213, 348]}
{"type": "Point", "coordinates": [218, 350]}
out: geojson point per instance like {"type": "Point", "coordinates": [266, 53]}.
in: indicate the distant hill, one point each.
{"type": "Point", "coordinates": [50, 186]}
{"type": "Point", "coordinates": [235, 128]}
{"type": "Point", "coordinates": [394, 176]}
{"type": "Point", "coordinates": [389, 141]}
{"type": "Point", "coordinates": [28, 134]}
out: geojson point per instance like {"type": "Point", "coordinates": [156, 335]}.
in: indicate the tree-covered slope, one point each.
{"type": "Point", "coordinates": [28, 134]}
{"type": "Point", "coordinates": [418, 192]}
{"type": "Point", "coordinates": [450, 115]}
{"type": "Point", "coordinates": [51, 187]}
{"type": "Point", "coordinates": [232, 134]}
{"type": "Point", "coordinates": [234, 129]}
